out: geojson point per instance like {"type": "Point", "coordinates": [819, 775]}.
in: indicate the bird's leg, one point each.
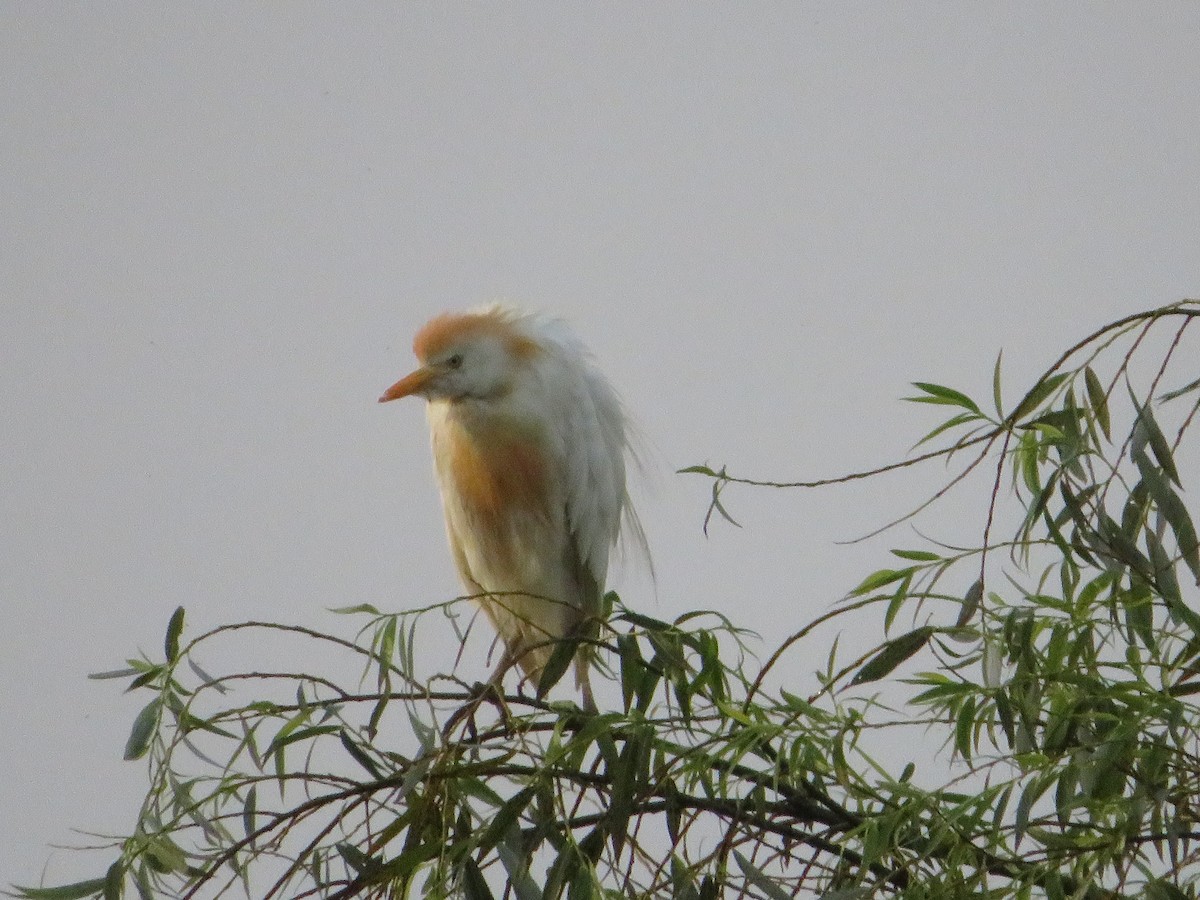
{"type": "Point", "coordinates": [480, 691]}
{"type": "Point", "coordinates": [507, 661]}
{"type": "Point", "coordinates": [585, 687]}
{"type": "Point", "coordinates": [491, 690]}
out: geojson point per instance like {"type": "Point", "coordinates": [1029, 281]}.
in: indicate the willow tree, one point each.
{"type": "Point", "coordinates": [1052, 657]}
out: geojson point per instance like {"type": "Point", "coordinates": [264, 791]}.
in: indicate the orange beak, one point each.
{"type": "Point", "coordinates": [412, 383]}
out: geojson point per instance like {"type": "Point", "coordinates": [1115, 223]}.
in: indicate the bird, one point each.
{"type": "Point", "coordinates": [530, 443]}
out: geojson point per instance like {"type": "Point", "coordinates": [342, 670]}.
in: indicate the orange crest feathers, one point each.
{"type": "Point", "coordinates": [448, 329]}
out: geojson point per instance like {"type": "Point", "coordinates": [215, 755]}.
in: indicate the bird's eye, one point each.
{"type": "Point", "coordinates": [455, 361]}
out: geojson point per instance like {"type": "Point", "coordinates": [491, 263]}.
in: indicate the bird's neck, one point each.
{"type": "Point", "coordinates": [482, 420]}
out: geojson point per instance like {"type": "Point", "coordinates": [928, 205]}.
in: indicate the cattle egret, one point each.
{"type": "Point", "coordinates": [529, 443]}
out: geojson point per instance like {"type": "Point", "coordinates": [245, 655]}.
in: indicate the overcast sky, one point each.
{"type": "Point", "coordinates": [221, 225]}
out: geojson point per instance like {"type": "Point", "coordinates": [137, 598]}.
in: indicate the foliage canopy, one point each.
{"type": "Point", "coordinates": [1054, 661]}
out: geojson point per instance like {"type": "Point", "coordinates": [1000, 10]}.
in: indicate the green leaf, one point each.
{"type": "Point", "coordinates": [114, 880]}
{"type": "Point", "coordinates": [358, 754]}
{"type": "Point", "coordinates": [1037, 394]}
{"type": "Point", "coordinates": [878, 579]}
{"type": "Point", "coordinates": [358, 608]}
{"type": "Point", "coordinates": [143, 729]}
{"type": "Point", "coordinates": [1160, 889]}
{"type": "Point", "coordinates": [249, 814]}
{"type": "Point", "coordinates": [970, 604]}
{"type": "Point", "coordinates": [146, 678]}
{"type": "Point", "coordinates": [917, 555]}
{"type": "Point", "coordinates": [556, 666]}
{"type": "Point", "coordinates": [76, 891]}
{"type": "Point", "coordinates": [361, 863]}
{"type": "Point", "coordinates": [996, 386]}
{"type": "Point", "coordinates": [893, 653]}
{"type": "Point", "coordinates": [519, 878]}
{"type": "Point", "coordinates": [626, 777]}
{"type": "Point", "coordinates": [1098, 400]}
{"type": "Point", "coordinates": [1147, 431]}
{"type": "Point", "coordinates": [646, 622]}
{"type": "Point", "coordinates": [288, 727]}
{"type": "Point", "coordinates": [945, 396]}
{"type": "Point", "coordinates": [954, 421]}
{"type": "Point", "coordinates": [505, 819]}
{"type": "Point", "coordinates": [208, 680]}
{"type": "Point", "coordinates": [164, 855]}
{"type": "Point", "coordinates": [1186, 389]}
{"type": "Point", "coordinates": [474, 885]}
{"type": "Point", "coordinates": [964, 727]}
{"type": "Point", "coordinates": [174, 629]}
{"type": "Point", "coordinates": [760, 879]}
{"type": "Point", "coordinates": [1174, 511]}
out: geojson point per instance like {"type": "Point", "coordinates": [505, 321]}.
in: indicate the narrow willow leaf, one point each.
{"type": "Point", "coordinates": [556, 666]}
{"type": "Point", "coordinates": [760, 879]}
{"type": "Point", "coordinates": [358, 608]}
{"type": "Point", "coordinates": [991, 661]}
{"type": "Point", "coordinates": [1161, 889]}
{"type": "Point", "coordinates": [893, 608]}
{"type": "Point", "coordinates": [879, 579]}
{"type": "Point", "coordinates": [207, 679]}
{"type": "Point", "coordinates": [358, 754]}
{"type": "Point", "coordinates": [1037, 395]}
{"type": "Point", "coordinates": [939, 394]}
{"type": "Point", "coordinates": [646, 622]}
{"type": "Point", "coordinates": [1098, 401]}
{"type": "Point", "coordinates": [964, 727]}
{"type": "Point", "coordinates": [143, 729]}
{"type": "Point", "coordinates": [1164, 570]}
{"type": "Point", "coordinates": [1029, 796]}
{"type": "Point", "coordinates": [1186, 389]}
{"type": "Point", "coordinates": [715, 504]}
{"type": "Point", "coordinates": [387, 646]}
{"type": "Point", "coordinates": [1004, 712]}
{"type": "Point", "coordinates": [996, 398]}
{"type": "Point", "coordinates": [631, 664]}
{"type": "Point", "coordinates": [953, 422]}
{"type": "Point", "coordinates": [249, 813]}
{"type": "Point", "coordinates": [917, 555]}
{"type": "Point", "coordinates": [141, 881]}
{"type": "Point", "coordinates": [505, 819]}
{"type": "Point", "coordinates": [174, 629]}
{"type": "Point", "coordinates": [113, 881]}
{"type": "Point", "coordinates": [625, 782]}
{"type": "Point", "coordinates": [519, 878]}
{"type": "Point", "coordinates": [893, 653]}
{"type": "Point", "coordinates": [289, 726]}
{"type": "Point", "coordinates": [1176, 514]}
{"type": "Point", "coordinates": [146, 678]}
{"type": "Point", "coordinates": [76, 891]}
{"type": "Point", "coordinates": [474, 885]}
{"type": "Point", "coordinates": [303, 734]}
{"type": "Point", "coordinates": [563, 870]}
{"type": "Point", "coordinates": [1139, 615]}
{"type": "Point", "coordinates": [165, 855]}
{"type": "Point", "coordinates": [1147, 431]}
{"type": "Point", "coordinates": [1027, 451]}
{"type": "Point", "coordinates": [583, 886]}
{"type": "Point", "coordinates": [970, 604]}
{"type": "Point", "coordinates": [356, 859]}
{"type": "Point", "coordinates": [112, 673]}
{"type": "Point", "coordinates": [696, 470]}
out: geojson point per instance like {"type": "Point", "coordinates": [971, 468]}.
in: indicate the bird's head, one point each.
{"type": "Point", "coordinates": [476, 355]}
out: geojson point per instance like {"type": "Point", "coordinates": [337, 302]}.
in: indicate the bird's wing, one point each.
{"type": "Point", "coordinates": [591, 440]}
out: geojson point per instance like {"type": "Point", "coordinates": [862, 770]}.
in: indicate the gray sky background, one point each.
{"type": "Point", "coordinates": [221, 225]}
